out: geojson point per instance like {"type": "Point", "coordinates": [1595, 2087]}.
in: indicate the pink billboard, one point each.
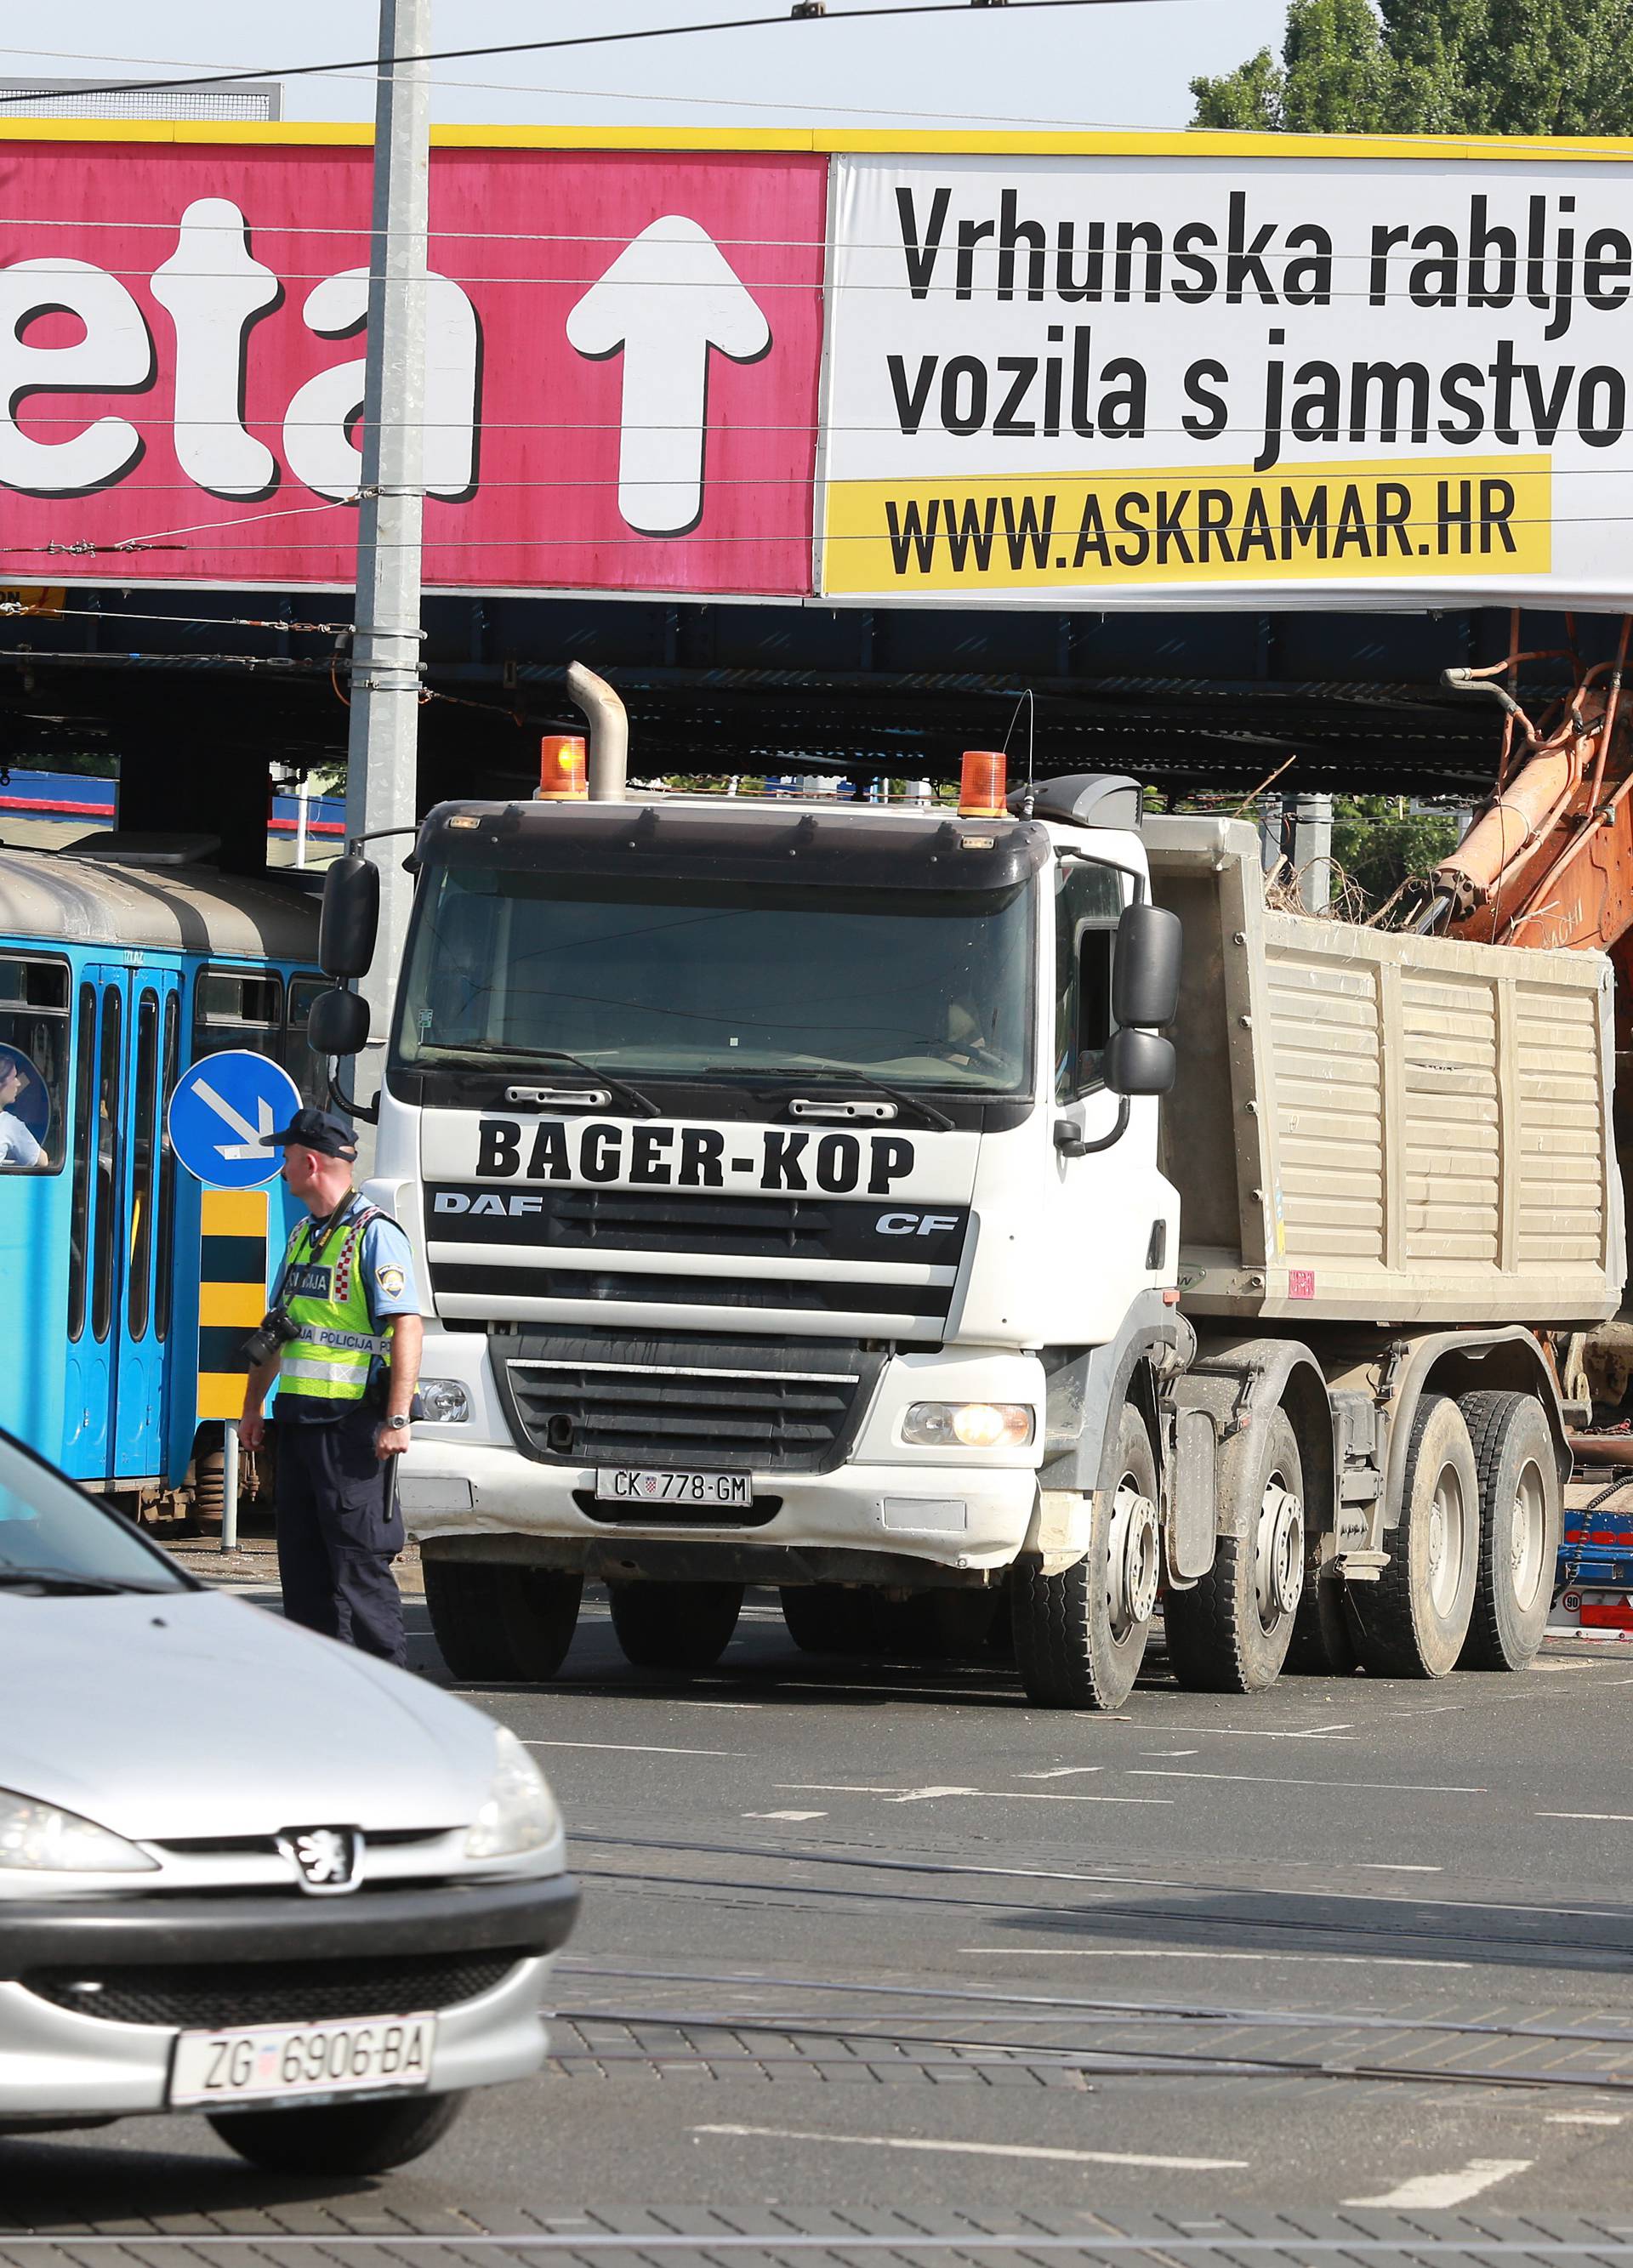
{"type": "Point", "coordinates": [622, 356]}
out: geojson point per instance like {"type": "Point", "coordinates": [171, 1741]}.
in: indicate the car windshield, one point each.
{"type": "Point", "coordinates": [52, 1535]}
{"type": "Point", "coordinates": [920, 989]}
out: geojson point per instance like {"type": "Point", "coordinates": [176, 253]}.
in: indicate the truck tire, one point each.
{"type": "Point", "coordinates": [539, 1608]}
{"type": "Point", "coordinates": [1323, 1635]}
{"type": "Point", "coordinates": [339, 2137]}
{"type": "Point", "coordinates": [1230, 1633]}
{"type": "Point", "coordinates": [826, 1619]}
{"type": "Point", "coordinates": [674, 1625]}
{"type": "Point", "coordinates": [465, 1599]}
{"type": "Point", "coordinates": [1520, 1514]}
{"type": "Point", "coordinates": [1415, 1618]}
{"type": "Point", "coordinates": [1079, 1634]}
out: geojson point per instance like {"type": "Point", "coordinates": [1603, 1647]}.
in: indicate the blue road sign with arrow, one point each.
{"type": "Point", "coordinates": [221, 1110]}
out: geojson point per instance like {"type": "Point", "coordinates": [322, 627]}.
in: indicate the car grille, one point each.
{"type": "Point", "coordinates": [207, 1998]}
{"type": "Point", "coordinates": [713, 1405]}
{"type": "Point", "coordinates": [568, 1245]}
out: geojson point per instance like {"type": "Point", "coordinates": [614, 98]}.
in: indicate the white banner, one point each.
{"type": "Point", "coordinates": [1126, 382]}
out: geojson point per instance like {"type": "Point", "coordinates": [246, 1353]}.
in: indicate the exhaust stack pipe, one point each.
{"type": "Point", "coordinates": [609, 732]}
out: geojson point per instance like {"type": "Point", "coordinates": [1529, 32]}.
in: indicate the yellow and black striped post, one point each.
{"type": "Point", "coordinates": [231, 1294]}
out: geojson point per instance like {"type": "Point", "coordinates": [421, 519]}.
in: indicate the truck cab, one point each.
{"type": "Point", "coordinates": [784, 1177]}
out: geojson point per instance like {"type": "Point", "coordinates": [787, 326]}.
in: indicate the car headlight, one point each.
{"type": "Point", "coordinates": [45, 1840]}
{"type": "Point", "coordinates": [444, 1401]}
{"type": "Point", "coordinates": [968, 1425]}
{"type": "Point", "coordinates": [519, 1812]}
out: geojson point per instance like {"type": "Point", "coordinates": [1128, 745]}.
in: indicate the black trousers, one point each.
{"type": "Point", "coordinates": [338, 1531]}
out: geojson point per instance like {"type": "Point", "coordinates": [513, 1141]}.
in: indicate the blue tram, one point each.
{"type": "Point", "coordinates": [121, 967]}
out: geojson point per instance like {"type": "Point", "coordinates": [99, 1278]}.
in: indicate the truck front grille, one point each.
{"type": "Point", "coordinates": [590, 1398]}
{"type": "Point", "coordinates": [544, 1255]}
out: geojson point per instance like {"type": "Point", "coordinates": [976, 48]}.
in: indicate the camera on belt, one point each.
{"type": "Point", "coordinates": [275, 1330]}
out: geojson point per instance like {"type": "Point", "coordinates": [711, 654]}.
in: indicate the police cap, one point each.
{"type": "Point", "coordinates": [315, 1129]}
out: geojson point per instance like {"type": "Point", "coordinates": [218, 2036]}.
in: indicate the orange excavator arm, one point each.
{"type": "Point", "coordinates": [1548, 861]}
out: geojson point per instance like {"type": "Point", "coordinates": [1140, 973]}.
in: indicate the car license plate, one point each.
{"type": "Point", "coordinates": [250, 2065]}
{"type": "Point", "coordinates": [625, 1484]}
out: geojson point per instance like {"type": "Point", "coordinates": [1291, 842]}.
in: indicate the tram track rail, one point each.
{"type": "Point", "coordinates": [1493, 1947]}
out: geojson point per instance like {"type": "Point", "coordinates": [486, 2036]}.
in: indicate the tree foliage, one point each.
{"type": "Point", "coordinates": [1435, 67]}
{"type": "Point", "coordinates": [1380, 847]}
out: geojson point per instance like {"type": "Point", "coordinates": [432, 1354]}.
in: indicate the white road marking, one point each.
{"type": "Point", "coordinates": [1170, 1752]}
{"type": "Point", "coordinates": [1272, 1779]}
{"type": "Point", "coordinates": [1061, 1772]}
{"type": "Point", "coordinates": [722, 1704]}
{"type": "Point", "coordinates": [927, 1794]}
{"type": "Point", "coordinates": [636, 1749]}
{"type": "Point", "coordinates": [1585, 2118]}
{"type": "Point", "coordinates": [1387, 1866]}
{"type": "Point", "coordinates": [1620, 1817]}
{"type": "Point", "coordinates": [1176, 1953]}
{"type": "Point", "coordinates": [1479, 2174]}
{"type": "Point", "coordinates": [981, 2149]}
{"type": "Point", "coordinates": [785, 1815]}
{"type": "Point", "coordinates": [1255, 1732]}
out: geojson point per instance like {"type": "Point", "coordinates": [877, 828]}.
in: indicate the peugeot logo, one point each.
{"type": "Point", "coordinates": [326, 1860]}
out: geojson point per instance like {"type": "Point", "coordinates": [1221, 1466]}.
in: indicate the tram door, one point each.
{"type": "Point", "coordinates": [121, 1250]}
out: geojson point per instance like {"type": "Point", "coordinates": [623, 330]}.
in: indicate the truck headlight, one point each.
{"type": "Point", "coordinates": [519, 1813]}
{"type": "Point", "coordinates": [44, 1840]}
{"type": "Point", "coordinates": [968, 1425]}
{"type": "Point", "coordinates": [444, 1401]}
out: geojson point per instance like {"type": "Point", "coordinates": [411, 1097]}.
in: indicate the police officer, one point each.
{"type": "Point", "coordinates": [345, 1394]}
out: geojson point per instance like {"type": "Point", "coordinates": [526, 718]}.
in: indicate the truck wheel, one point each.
{"type": "Point", "coordinates": [1080, 1635]}
{"type": "Point", "coordinates": [539, 1608]}
{"type": "Point", "coordinates": [674, 1625]}
{"type": "Point", "coordinates": [1324, 1637]}
{"type": "Point", "coordinates": [1415, 1618]}
{"type": "Point", "coordinates": [339, 2137]}
{"type": "Point", "coordinates": [465, 1599]}
{"type": "Point", "coordinates": [1230, 1633]}
{"type": "Point", "coordinates": [826, 1619]}
{"type": "Point", "coordinates": [1520, 1509]}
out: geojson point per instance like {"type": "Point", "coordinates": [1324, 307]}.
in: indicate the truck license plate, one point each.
{"type": "Point", "coordinates": [251, 2065]}
{"type": "Point", "coordinates": [625, 1484]}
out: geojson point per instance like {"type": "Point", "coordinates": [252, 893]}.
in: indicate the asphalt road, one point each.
{"type": "Point", "coordinates": [879, 1951]}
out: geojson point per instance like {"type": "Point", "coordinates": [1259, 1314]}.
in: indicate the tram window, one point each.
{"type": "Point", "coordinates": [104, 1260]}
{"type": "Point", "coordinates": [137, 1302]}
{"type": "Point", "coordinates": [166, 1222]}
{"type": "Point", "coordinates": [84, 1133]}
{"type": "Point", "coordinates": [232, 1009]}
{"type": "Point", "coordinates": [34, 1064]}
{"type": "Point", "coordinates": [309, 1073]}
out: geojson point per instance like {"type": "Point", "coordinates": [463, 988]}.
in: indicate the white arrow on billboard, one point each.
{"type": "Point", "coordinates": [250, 1143]}
{"type": "Point", "coordinates": [668, 300]}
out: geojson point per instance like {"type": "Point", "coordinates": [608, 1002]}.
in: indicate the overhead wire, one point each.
{"type": "Point", "coordinates": [374, 64]}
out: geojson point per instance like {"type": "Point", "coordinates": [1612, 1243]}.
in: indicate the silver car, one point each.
{"type": "Point", "coordinates": [244, 1871]}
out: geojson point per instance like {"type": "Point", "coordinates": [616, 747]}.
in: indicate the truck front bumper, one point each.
{"type": "Point", "coordinates": [955, 1515]}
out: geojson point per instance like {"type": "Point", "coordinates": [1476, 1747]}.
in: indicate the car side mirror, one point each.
{"type": "Point", "coordinates": [338, 1023]}
{"type": "Point", "coordinates": [1145, 975]}
{"type": "Point", "coordinates": [1140, 1063]}
{"type": "Point", "coordinates": [351, 918]}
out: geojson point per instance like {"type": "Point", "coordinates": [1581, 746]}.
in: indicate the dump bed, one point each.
{"type": "Point", "coordinates": [1373, 1126]}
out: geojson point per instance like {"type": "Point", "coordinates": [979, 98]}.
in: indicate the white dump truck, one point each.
{"type": "Point", "coordinates": [998, 1205]}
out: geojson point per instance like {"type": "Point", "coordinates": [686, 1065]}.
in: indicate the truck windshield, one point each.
{"type": "Point", "coordinates": [925, 990]}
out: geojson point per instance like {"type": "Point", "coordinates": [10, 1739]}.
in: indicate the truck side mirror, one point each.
{"type": "Point", "coordinates": [338, 1023]}
{"type": "Point", "coordinates": [1140, 1063]}
{"type": "Point", "coordinates": [1145, 977]}
{"type": "Point", "coordinates": [351, 919]}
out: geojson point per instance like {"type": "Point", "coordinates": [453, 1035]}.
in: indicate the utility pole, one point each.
{"type": "Point", "coordinates": [381, 754]}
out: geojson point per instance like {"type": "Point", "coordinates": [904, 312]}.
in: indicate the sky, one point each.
{"type": "Point", "coordinates": [1128, 63]}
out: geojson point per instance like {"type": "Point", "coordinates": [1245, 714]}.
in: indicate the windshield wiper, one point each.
{"type": "Point", "coordinates": [64, 1579]}
{"type": "Point", "coordinates": [496, 1058]}
{"type": "Point", "coordinates": [845, 1074]}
